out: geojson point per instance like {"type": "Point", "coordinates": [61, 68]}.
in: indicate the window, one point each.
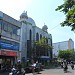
{"type": "Point", "coordinates": [15, 28]}
{"type": "Point", "coordinates": [5, 26]}
{"type": "Point", "coordinates": [0, 23]}
{"type": "Point", "coordinates": [37, 37]}
{"type": "Point", "coordinates": [40, 36]}
{"type": "Point", "coordinates": [10, 28]}
{"type": "Point", "coordinates": [30, 33]}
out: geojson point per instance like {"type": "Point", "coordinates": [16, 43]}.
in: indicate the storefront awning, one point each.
{"type": "Point", "coordinates": [45, 58]}
{"type": "Point", "coordinates": [8, 53]}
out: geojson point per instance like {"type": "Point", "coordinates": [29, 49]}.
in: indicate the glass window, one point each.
{"type": "Point", "coordinates": [15, 30]}
{"type": "Point", "coordinates": [10, 28]}
{"type": "Point", "coordinates": [0, 23]}
{"type": "Point", "coordinates": [5, 26]}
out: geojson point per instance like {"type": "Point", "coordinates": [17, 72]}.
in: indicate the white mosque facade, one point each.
{"type": "Point", "coordinates": [31, 33]}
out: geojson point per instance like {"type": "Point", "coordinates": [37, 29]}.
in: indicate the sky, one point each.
{"type": "Point", "coordinates": [42, 12]}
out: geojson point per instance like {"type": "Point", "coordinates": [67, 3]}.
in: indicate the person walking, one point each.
{"type": "Point", "coordinates": [20, 69]}
{"type": "Point", "coordinates": [65, 67]}
{"type": "Point", "coordinates": [72, 65]}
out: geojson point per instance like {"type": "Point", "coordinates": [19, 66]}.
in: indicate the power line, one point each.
{"type": "Point", "coordinates": [54, 27]}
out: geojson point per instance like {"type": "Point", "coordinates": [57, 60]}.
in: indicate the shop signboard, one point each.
{"type": "Point", "coordinates": [8, 53]}
{"type": "Point", "coordinates": [9, 46]}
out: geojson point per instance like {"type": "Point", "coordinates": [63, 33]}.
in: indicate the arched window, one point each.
{"type": "Point", "coordinates": [30, 35]}
{"type": "Point", "coordinates": [47, 40]}
{"type": "Point", "coordinates": [37, 37]}
{"type": "Point", "coordinates": [40, 36]}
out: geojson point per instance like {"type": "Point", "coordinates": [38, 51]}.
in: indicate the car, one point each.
{"type": "Point", "coordinates": [35, 67]}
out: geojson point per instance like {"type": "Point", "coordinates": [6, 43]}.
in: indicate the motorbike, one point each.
{"type": "Point", "coordinates": [16, 72]}
{"type": "Point", "coordinates": [65, 69]}
{"type": "Point", "coordinates": [20, 73]}
{"type": "Point", "coordinates": [13, 71]}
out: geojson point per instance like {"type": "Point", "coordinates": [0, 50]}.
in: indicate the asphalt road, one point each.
{"type": "Point", "coordinates": [57, 71]}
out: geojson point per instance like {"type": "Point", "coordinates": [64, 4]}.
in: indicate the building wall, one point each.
{"type": "Point", "coordinates": [10, 39]}
{"type": "Point", "coordinates": [64, 45]}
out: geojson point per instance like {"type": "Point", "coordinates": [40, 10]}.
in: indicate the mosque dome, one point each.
{"type": "Point", "coordinates": [30, 20]}
{"type": "Point", "coordinates": [24, 15]}
{"type": "Point", "coordinates": [45, 28]}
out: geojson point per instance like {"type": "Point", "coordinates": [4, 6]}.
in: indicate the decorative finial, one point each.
{"type": "Point", "coordinates": [24, 11]}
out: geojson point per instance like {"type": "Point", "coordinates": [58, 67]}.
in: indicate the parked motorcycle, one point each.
{"type": "Point", "coordinates": [16, 72]}
{"type": "Point", "coordinates": [13, 71]}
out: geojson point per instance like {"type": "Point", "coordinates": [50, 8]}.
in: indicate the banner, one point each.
{"type": "Point", "coordinates": [9, 46]}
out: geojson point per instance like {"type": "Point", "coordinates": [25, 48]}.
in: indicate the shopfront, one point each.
{"type": "Point", "coordinates": [7, 57]}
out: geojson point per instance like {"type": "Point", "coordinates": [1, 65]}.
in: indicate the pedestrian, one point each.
{"type": "Point", "coordinates": [61, 64]}
{"type": "Point", "coordinates": [20, 69]}
{"type": "Point", "coordinates": [72, 65]}
{"type": "Point", "coordinates": [65, 66]}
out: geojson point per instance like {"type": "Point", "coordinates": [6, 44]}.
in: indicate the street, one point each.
{"type": "Point", "coordinates": [56, 71]}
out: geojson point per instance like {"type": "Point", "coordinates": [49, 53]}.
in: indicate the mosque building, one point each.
{"type": "Point", "coordinates": [31, 33]}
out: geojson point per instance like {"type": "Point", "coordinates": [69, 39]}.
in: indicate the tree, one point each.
{"type": "Point", "coordinates": [73, 56]}
{"type": "Point", "coordinates": [65, 54]}
{"type": "Point", "coordinates": [41, 47]}
{"type": "Point", "coordinates": [68, 8]}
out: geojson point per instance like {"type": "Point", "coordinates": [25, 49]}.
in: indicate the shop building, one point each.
{"type": "Point", "coordinates": [9, 39]}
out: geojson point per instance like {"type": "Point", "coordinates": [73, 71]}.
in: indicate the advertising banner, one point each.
{"type": "Point", "coordinates": [9, 46]}
{"type": "Point", "coordinates": [8, 53]}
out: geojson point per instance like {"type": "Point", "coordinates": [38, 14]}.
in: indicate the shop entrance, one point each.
{"type": "Point", "coordinates": [7, 61]}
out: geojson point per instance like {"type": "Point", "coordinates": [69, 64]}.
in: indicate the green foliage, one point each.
{"type": "Point", "coordinates": [42, 47]}
{"type": "Point", "coordinates": [65, 54]}
{"type": "Point", "coordinates": [73, 56]}
{"type": "Point", "coordinates": [68, 8]}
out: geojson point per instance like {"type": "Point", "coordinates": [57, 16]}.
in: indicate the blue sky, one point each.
{"type": "Point", "coordinates": [42, 11]}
